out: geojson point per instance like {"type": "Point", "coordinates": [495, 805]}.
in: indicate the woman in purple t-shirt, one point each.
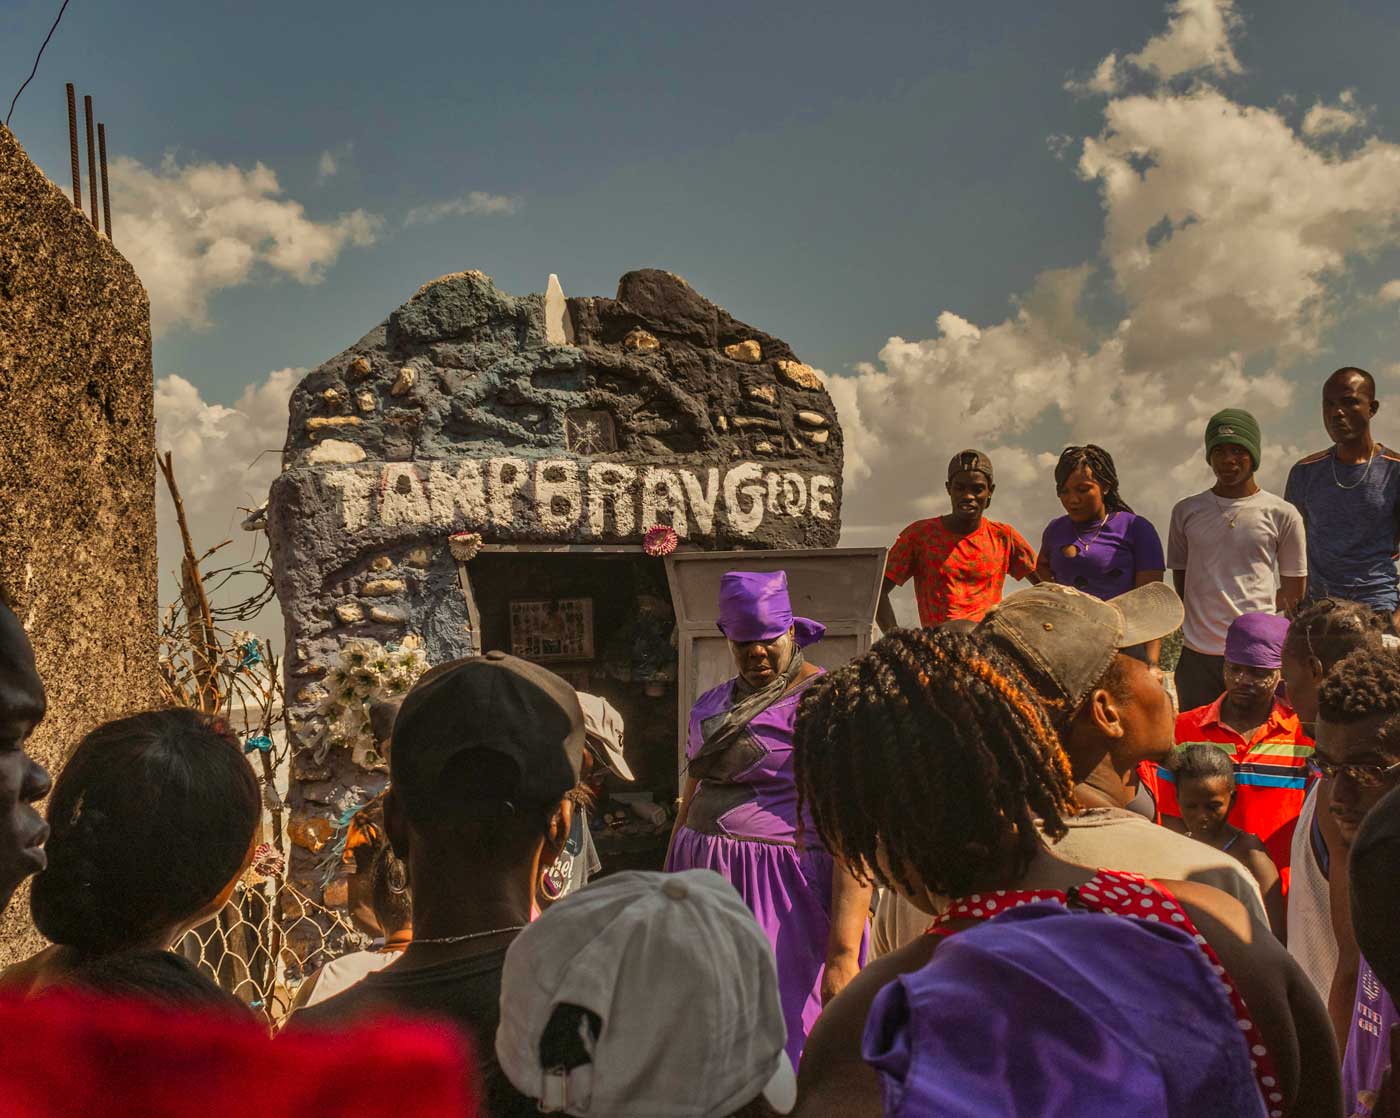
{"type": "Point", "coordinates": [1101, 546]}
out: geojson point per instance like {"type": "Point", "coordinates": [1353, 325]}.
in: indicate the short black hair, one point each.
{"type": "Point", "coordinates": [1330, 629]}
{"type": "Point", "coordinates": [1366, 377]}
{"type": "Point", "coordinates": [1201, 761]}
{"type": "Point", "coordinates": [1364, 685]}
{"type": "Point", "coordinates": [150, 820]}
{"type": "Point", "coordinates": [389, 892]}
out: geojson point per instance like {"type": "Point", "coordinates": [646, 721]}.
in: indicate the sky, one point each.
{"type": "Point", "coordinates": [1012, 225]}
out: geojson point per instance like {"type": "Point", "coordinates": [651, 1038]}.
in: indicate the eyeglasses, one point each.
{"type": "Point", "coordinates": [1363, 776]}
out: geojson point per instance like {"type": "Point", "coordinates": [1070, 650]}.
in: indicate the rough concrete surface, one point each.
{"type": "Point", "coordinates": [77, 445]}
{"type": "Point", "coordinates": [459, 414]}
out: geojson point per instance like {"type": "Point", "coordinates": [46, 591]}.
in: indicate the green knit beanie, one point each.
{"type": "Point", "coordinates": [1236, 427]}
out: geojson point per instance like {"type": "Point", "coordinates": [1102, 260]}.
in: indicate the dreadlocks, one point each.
{"type": "Point", "coordinates": [1099, 463]}
{"type": "Point", "coordinates": [1330, 629]}
{"type": "Point", "coordinates": [935, 750]}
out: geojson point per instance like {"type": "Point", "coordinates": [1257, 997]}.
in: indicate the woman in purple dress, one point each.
{"type": "Point", "coordinates": [738, 813]}
{"type": "Point", "coordinates": [1100, 546]}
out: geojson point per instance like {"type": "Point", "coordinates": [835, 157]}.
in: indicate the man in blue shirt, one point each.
{"type": "Point", "coordinates": [1349, 496]}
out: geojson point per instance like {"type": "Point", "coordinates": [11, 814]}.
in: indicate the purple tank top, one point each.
{"type": "Point", "coordinates": [1368, 1044]}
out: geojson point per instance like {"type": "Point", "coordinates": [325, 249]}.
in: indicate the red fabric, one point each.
{"type": "Point", "coordinates": [1125, 894]}
{"type": "Point", "coordinates": [74, 1056]}
{"type": "Point", "coordinates": [1271, 775]}
{"type": "Point", "coordinates": [957, 576]}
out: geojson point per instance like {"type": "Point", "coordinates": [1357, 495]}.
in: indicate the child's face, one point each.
{"type": "Point", "coordinates": [1205, 802]}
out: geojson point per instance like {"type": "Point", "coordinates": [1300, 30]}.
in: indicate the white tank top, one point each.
{"type": "Point", "coordinates": [1310, 937]}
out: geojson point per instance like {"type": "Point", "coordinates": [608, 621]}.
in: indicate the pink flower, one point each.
{"type": "Point", "coordinates": [660, 540]}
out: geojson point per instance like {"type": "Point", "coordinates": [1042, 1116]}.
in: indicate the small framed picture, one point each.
{"type": "Point", "coordinates": [544, 629]}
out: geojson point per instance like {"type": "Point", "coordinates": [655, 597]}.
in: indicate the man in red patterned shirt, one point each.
{"type": "Point", "coordinates": [959, 561]}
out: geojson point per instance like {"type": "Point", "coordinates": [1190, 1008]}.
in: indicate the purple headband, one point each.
{"type": "Point", "coordinates": [754, 606]}
{"type": "Point", "coordinates": [1255, 640]}
{"type": "Point", "coordinates": [1026, 1014]}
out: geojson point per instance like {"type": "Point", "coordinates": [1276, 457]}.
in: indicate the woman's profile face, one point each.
{"type": "Point", "coordinates": [1082, 496]}
{"type": "Point", "coordinates": [761, 662]}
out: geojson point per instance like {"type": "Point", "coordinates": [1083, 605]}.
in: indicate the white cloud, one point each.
{"type": "Point", "coordinates": [1389, 292]}
{"type": "Point", "coordinates": [196, 228]}
{"type": "Point", "coordinates": [327, 167]}
{"type": "Point", "coordinates": [1225, 234]}
{"type": "Point", "coordinates": [1197, 40]}
{"type": "Point", "coordinates": [224, 458]}
{"type": "Point", "coordinates": [1335, 120]}
{"type": "Point", "coordinates": [478, 202]}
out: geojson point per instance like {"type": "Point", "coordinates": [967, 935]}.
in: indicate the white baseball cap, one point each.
{"type": "Point", "coordinates": [679, 998]}
{"type": "Point", "coordinates": [602, 727]}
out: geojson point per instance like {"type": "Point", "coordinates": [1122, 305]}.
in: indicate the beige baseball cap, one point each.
{"type": "Point", "coordinates": [1071, 637]}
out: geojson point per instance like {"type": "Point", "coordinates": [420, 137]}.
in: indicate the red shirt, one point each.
{"type": "Point", "coordinates": [957, 576]}
{"type": "Point", "coordinates": [1271, 775]}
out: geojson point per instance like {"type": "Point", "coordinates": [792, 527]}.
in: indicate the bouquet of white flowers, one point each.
{"type": "Point", "coordinates": [367, 673]}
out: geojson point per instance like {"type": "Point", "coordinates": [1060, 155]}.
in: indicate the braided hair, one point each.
{"type": "Point", "coordinates": [1201, 761]}
{"type": "Point", "coordinates": [933, 750]}
{"type": "Point", "coordinates": [1330, 629]}
{"type": "Point", "coordinates": [1099, 463]}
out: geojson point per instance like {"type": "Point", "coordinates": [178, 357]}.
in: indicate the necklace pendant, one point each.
{"type": "Point", "coordinates": [1069, 551]}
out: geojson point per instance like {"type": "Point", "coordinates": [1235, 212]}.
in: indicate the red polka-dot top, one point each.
{"type": "Point", "coordinates": [1128, 894]}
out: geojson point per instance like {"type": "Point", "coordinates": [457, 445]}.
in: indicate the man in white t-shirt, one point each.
{"type": "Point", "coordinates": [1223, 549]}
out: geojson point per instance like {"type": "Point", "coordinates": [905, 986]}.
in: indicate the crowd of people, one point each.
{"type": "Point", "coordinates": [995, 865]}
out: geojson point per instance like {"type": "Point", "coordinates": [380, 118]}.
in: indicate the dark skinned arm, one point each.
{"type": "Point", "coordinates": [1291, 589]}
{"type": "Point", "coordinates": [1281, 1000]}
{"type": "Point", "coordinates": [1257, 861]}
{"type": "Point", "coordinates": [1179, 581]}
{"type": "Point", "coordinates": [682, 810]}
{"type": "Point", "coordinates": [850, 905]}
{"type": "Point", "coordinates": [1154, 648]}
{"type": "Point", "coordinates": [884, 612]}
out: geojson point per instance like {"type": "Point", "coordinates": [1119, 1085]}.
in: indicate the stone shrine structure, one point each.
{"type": "Point", "coordinates": [77, 469]}
{"type": "Point", "coordinates": [558, 431]}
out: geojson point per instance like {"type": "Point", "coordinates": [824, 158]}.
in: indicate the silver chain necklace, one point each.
{"type": "Point", "coordinates": [1225, 509]}
{"type": "Point", "coordinates": [469, 935]}
{"type": "Point", "coordinates": [1374, 447]}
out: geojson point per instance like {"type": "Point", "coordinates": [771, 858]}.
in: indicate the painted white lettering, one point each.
{"type": "Point", "coordinates": [743, 497]}
{"type": "Point", "coordinates": [702, 501]}
{"type": "Point", "coordinates": [794, 494]}
{"type": "Point", "coordinates": [505, 477]}
{"type": "Point", "coordinates": [455, 495]}
{"type": "Point", "coordinates": [663, 501]}
{"type": "Point", "coordinates": [609, 482]}
{"type": "Point", "coordinates": [354, 487]}
{"type": "Point", "coordinates": [774, 482]}
{"type": "Point", "coordinates": [558, 496]}
{"type": "Point", "coordinates": [823, 499]}
{"type": "Point", "coordinates": [403, 501]}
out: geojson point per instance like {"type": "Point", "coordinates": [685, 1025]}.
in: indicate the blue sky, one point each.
{"type": "Point", "coordinates": [837, 174]}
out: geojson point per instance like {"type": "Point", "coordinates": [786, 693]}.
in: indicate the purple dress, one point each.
{"type": "Point", "coordinates": [1106, 559]}
{"type": "Point", "coordinates": [742, 823]}
{"type": "Point", "coordinates": [1368, 1044]}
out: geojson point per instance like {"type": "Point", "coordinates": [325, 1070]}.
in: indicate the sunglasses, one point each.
{"type": "Point", "coordinates": [1363, 776]}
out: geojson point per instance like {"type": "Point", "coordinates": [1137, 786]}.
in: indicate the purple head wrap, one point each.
{"type": "Point", "coordinates": [754, 606]}
{"type": "Point", "coordinates": [1033, 1012]}
{"type": "Point", "coordinates": [1255, 640]}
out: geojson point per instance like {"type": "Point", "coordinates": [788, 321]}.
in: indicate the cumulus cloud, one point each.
{"type": "Point", "coordinates": [1197, 40]}
{"type": "Point", "coordinates": [196, 228]}
{"type": "Point", "coordinates": [478, 203]}
{"type": "Point", "coordinates": [1335, 120]}
{"type": "Point", "coordinates": [1225, 236]}
{"type": "Point", "coordinates": [224, 458]}
{"type": "Point", "coordinates": [1389, 292]}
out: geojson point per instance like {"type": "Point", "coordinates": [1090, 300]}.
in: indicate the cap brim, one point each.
{"type": "Point", "coordinates": [1149, 613]}
{"type": "Point", "coordinates": [780, 1092]}
{"type": "Point", "coordinates": [611, 757]}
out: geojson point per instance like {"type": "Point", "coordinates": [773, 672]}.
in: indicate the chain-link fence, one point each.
{"type": "Point", "coordinates": [265, 943]}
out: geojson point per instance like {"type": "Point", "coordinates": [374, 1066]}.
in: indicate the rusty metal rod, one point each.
{"type": "Point", "coordinates": [92, 160]}
{"type": "Point", "coordinates": [73, 147]}
{"type": "Point", "coordinates": [102, 156]}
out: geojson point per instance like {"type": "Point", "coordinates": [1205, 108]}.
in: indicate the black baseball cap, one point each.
{"type": "Point", "coordinates": [970, 461]}
{"type": "Point", "coordinates": [494, 702]}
